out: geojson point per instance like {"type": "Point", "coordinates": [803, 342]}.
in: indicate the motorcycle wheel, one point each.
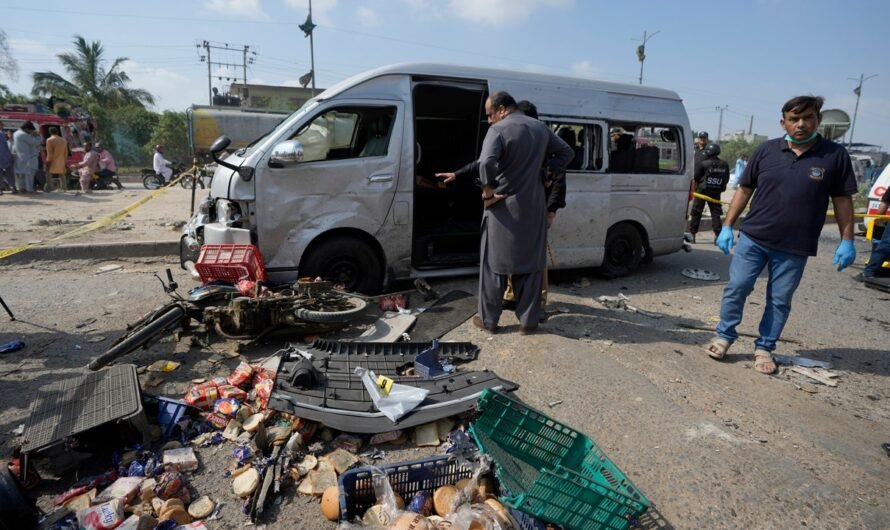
{"type": "Point", "coordinates": [358, 305]}
{"type": "Point", "coordinates": [186, 181]}
{"type": "Point", "coordinates": [152, 182]}
{"type": "Point", "coordinates": [141, 335]}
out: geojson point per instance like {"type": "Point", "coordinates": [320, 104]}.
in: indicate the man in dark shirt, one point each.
{"type": "Point", "coordinates": [794, 177]}
{"type": "Point", "coordinates": [701, 141]}
{"type": "Point", "coordinates": [711, 177]}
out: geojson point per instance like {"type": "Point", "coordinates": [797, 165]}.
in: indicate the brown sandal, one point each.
{"type": "Point", "coordinates": [717, 348]}
{"type": "Point", "coordinates": [764, 363]}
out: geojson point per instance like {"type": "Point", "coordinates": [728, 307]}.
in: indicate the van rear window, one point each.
{"type": "Point", "coordinates": [639, 148]}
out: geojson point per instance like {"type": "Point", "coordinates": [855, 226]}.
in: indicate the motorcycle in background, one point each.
{"type": "Point", "coordinates": [153, 181]}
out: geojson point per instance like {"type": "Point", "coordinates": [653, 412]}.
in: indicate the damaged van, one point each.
{"type": "Point", "coordinates": [345, 188]}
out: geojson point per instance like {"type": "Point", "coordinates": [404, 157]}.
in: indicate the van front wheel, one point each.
{"type": "Point", "coordinates": [346, 261]}
{"type": "Point", "coordinates": [624, 251]}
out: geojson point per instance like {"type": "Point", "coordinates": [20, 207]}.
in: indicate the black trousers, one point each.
{"type": "Point", "coordinates": [698, 206]}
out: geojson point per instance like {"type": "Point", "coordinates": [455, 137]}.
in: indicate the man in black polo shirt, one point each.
{"type": "Point", "coordinates": [794, 177]}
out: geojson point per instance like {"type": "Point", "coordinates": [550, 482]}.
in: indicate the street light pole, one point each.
{"type": "Point", "coordinates": [311, 52]}
{"type": "Point", "coordinates": [641, 52]}
{"type": "Point", "coordinates": [858, 92]}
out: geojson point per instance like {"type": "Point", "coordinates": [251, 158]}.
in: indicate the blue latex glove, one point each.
{"type": "Point", "coordinates": [725, 239]}
{"type": "Point", "coordinates": [845, 255]}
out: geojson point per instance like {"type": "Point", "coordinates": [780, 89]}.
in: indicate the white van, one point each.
{"type": "Point", "coordinates": [345, 188]}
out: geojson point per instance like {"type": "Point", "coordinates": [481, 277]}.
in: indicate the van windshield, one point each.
{"type": "Point", "coordinates": [312, 103]}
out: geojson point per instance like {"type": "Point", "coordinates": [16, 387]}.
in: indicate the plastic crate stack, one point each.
{"type": "Point", "coordinates": [552, 472]}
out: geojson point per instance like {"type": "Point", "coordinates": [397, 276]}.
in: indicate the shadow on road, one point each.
{"type": "Point", "coordinates": [852, 359]}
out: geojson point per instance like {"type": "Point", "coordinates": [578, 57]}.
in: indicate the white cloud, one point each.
{"type": "Point", "coordinates": [367, 17]}
{"type": "Point", "coordinates": [172, 90]}
{"type": "Point", "coordinates": [501, 12]}
{"type": "Point", "coordinates": [237, 8]}
{"type": "Point", "coordinates": [585, 69]}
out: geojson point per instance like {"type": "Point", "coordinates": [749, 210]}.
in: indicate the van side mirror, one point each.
{"type": "Point", "coordinates": [286, 153]}
{"type": "Point", "coordinates": [218, 146]}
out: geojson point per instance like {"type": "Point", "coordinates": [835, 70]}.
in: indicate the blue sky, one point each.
{"type": "Point", "coordinates": [751, 55]}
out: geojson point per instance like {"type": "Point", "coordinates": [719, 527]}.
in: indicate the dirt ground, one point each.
{"type": "Point", "coordinates": [36, 217]}
{"type": "Point", "coordinates": [711, 444]}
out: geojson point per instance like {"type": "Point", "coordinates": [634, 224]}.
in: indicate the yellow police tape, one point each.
{"type": "Point", "coordinates": [830, 213]}
{"type": "Point", "coordinates": [95, 225]}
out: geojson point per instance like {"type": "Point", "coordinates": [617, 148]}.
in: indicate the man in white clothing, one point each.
{"type": "Point", "coordinates": [161, 164]}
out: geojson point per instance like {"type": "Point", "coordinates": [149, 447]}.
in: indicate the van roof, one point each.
{"type": "Point", "coordinates": [488, 74]}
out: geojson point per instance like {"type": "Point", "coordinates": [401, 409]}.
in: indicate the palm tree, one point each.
{"type": "Point", "coordinates": [89, 80]}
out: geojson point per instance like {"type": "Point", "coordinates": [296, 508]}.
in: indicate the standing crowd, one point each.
{"type": "Point", "coordinates": [29, 164]}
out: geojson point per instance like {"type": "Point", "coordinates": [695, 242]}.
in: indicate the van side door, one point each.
{"type": "Point", "coordinates": [346, 180]}
{"type": "Point", "coordinates": [579, 230]}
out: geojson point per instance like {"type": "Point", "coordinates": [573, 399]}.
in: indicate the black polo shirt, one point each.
{"type": "Point", "coordinates": [791, 193]}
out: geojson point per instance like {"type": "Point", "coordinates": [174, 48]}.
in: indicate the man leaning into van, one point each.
{"type": "Point", "coordinates": [514, 223]}
{"type": "Point", "coordinates": [794, 177]}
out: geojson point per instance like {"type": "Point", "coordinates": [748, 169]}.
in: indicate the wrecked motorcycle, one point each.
{"type": "Point", "coordinates": [307, 307]}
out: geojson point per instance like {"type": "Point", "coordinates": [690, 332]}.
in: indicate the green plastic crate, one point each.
{"type": "Point", "coordinates": [553, 472]}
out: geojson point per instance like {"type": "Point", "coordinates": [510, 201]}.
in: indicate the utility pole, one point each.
{"type": "Point", "coordinates": [207, 47]}
{"type": "Point", "coordinates": [858, 92]}
{"type": "Point", "coordinates": [245, 69]}
{"type": "Point", "coordinates": [641, 51]}
{"type": "Point", "coordinates": [209, 87]}
{"type": "Point", "coordinates": [307, 28]}
{"type": "Point", "coordinates": [751, 126]}
{"type": "Point", "coordinates": [720, 126]}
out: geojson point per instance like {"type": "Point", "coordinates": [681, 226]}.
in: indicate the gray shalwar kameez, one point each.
{"type": "Point", "coordinates": [514, 230]}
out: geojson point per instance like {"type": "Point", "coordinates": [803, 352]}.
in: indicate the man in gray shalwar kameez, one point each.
{"type": "Point", "coordinates": [514, 222]}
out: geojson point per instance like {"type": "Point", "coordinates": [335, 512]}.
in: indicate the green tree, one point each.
{"type": "Point", "coordinates": [89, 80]}
{"type": "Point", "coordinates": [7, 96]}
{"type": "Point", "coordinates": [129, 130]}
{"type": "Point", "coordinates": [731, 150]}
{"type": "Point", "coordinates": [172, 133]}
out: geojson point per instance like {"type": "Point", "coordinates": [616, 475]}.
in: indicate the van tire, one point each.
{"type": "Point", "coordinates": [347, 261]}
{"type": "Point", "coordinates": [623, 251]}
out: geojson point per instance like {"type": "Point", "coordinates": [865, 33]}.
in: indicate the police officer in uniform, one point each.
{"type": "Point", "coordinates": [711, 177]}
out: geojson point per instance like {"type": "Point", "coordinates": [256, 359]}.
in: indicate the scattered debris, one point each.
{"type": "Point", "coordinates": [801, 361]}
{"type": "Point", "coordinates": [96, 339]}
{"type": "Point", "coordinates": [18, 430]}
{"type": "Point", "coordinates": [85, 323]}
{"type": "Point", "coordinates": [621, 302]}
{"type": "Point", "coordinates": [163, 366]}
{"type": "Point", "coordinates": [700, 274]}
{"type": "Point", "coordinates": [824, 377]}
{"type": "Point", "coordinates": [12, 346]}
{"type": "Point", "coordinates": [108, 268]}
{"type": "Point", "coordinates": [554, 403]}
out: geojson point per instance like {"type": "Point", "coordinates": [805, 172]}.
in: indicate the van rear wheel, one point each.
{"type": "Point", "coordinates": [346, 261]}
{"type": "Point", "coordinates": [624, 251]}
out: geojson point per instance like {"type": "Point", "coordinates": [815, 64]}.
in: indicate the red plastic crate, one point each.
{"type": "Point", "coordinates": [230, 263]}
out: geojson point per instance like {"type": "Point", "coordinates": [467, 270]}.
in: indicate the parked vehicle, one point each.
{"type": "Point", "coordinates": [242, 125]}
{"type": "Point", "coordinates": [345, 188]}
{"type": "Point", "coordinates": [76, 129]}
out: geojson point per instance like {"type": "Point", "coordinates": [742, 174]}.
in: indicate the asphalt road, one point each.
{"type": "Point", "coordinates": [712, 444]}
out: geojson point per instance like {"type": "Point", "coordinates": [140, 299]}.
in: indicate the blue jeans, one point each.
{"type": "Point", "coordinates": [748, 261]}
{"type": "Point", "coordinates": [879, 255]}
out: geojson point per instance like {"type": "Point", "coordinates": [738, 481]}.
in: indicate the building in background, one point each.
{"type": "Point", "coordinates": [271, 97]}
{"type": "Point", "coordinates": [743, 135]}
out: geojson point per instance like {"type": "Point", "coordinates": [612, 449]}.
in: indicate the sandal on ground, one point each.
{"type": "Point", "coordinates": [764, 363]}
{"type": "Point", "coordinates": [717, 348]}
